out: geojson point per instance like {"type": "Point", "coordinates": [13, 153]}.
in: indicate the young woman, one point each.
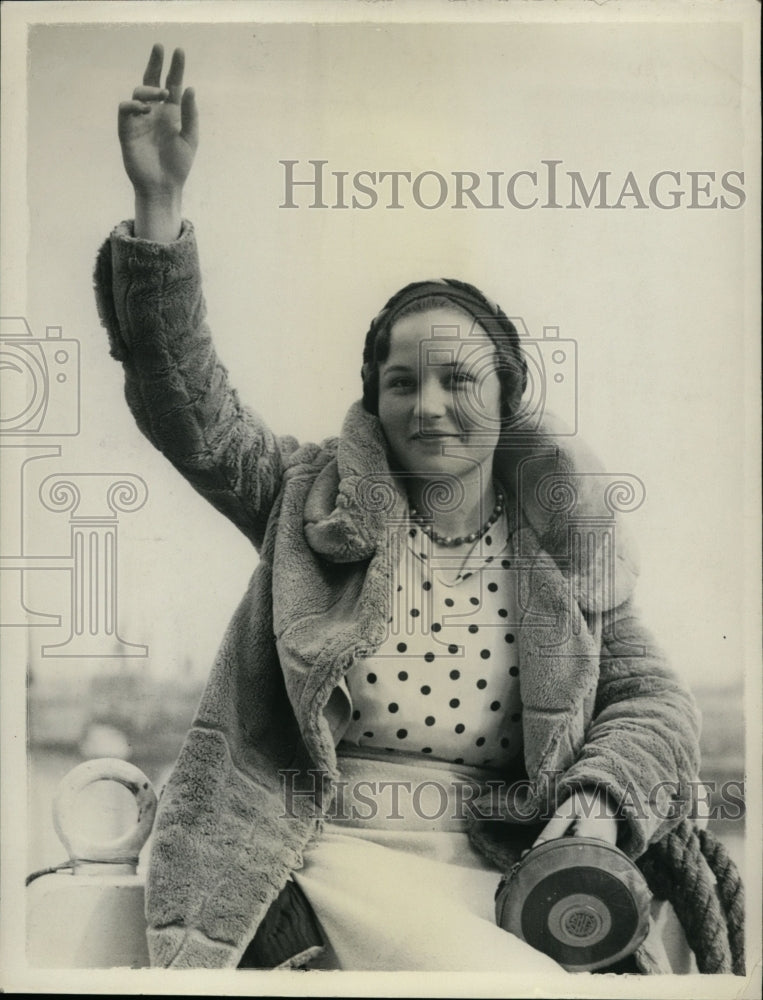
{"type": "Point", "coordinates": [421, 629]}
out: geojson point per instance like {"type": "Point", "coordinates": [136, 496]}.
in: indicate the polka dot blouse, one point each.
{"type": "Point", "coordinates": [445, 682]}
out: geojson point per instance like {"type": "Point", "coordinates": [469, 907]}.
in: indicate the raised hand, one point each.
{"type": "Point", "coordinates": [159, 135]}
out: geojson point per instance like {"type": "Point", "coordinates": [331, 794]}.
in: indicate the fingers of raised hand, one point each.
{"type": "Point", "coordinates": [152, 76]}
{"type": "Point", "coordinates": [150, 94]}
{"type": "Point", "coordinates": [129, 108]}
{"type": "Point", "coordinates": [174, 81]}
{"type": "Point", "coordinates": [189, 118]}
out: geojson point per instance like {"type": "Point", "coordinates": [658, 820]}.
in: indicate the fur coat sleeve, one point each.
{"type": "Point", "coordinates": [150, 300]}
{"type": "Point", "coordinates": [642, 743]}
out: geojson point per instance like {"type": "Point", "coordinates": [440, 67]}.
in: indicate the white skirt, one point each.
{"type": "Point", "coordinates": [404, 901]}
{"type": "Point", "coordinates": [401, 893]}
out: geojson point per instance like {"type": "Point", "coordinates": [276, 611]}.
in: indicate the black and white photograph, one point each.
{"type": "Point", "coordinates": [381, 530]}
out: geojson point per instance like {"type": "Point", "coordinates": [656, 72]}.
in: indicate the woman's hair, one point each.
{"type": "Point", "coordinates": [421, 296]}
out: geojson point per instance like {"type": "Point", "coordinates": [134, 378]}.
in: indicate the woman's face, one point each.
{"type": "Point", "coordinates": [440, 394]}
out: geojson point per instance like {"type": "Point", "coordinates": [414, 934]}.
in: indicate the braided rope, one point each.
{"type": "Point", "coordinates": [677, 870]}
{"type": "Point", "coordinates": [731, 892]}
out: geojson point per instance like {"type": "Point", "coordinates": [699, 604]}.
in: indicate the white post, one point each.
{"type": "Point", "coordinates": [91, 916]}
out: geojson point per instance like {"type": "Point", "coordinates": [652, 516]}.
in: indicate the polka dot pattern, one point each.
{"type": "Point", "coordinates": [446, 681]}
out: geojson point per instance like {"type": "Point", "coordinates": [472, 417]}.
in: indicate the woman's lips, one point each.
{"type": "Point", "coordinates": [433, 435]}
{"type": "Point", "coordinates": [436, 439]}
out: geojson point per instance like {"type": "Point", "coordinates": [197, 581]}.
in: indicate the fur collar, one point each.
{"type": "Point", "coordinates": [558, 486]}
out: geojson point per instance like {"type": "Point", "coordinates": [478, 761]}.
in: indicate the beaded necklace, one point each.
{"type": "Point", "coordinates": [447, 540]}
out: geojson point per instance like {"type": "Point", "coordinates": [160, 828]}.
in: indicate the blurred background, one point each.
{"type": "Point", "coordinates": [655, 302]}
{"type": "Point", "coordinates": [122, 714]}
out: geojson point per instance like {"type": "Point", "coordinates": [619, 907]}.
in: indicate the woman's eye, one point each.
{"type": "Point", "coordinates": [461, 379]}
{"type": "Point", "coordinates": [401, 382]}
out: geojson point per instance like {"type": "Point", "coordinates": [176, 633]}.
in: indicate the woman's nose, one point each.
{"type": "Point", "coordinates": [432, 400]}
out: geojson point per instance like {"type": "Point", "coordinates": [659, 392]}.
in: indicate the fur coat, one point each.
{"type": "Point", "coordinates": [600, 705]}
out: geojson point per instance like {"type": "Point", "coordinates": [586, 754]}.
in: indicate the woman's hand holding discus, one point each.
{"type": "Point", "coordinates": [588, 812]}
{"type": "Point", "coordinates": [159, 134]}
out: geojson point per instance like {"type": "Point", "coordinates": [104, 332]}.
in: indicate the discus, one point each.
{"type": "Point", "coordinates": [580, 901]}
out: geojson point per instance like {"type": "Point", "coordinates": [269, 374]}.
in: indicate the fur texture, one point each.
{"type": "Point", "coordinates": [600, 703]}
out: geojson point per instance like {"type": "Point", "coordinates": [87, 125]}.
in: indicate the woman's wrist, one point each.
{"type": "Point", "coordinates": [158, 216]}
